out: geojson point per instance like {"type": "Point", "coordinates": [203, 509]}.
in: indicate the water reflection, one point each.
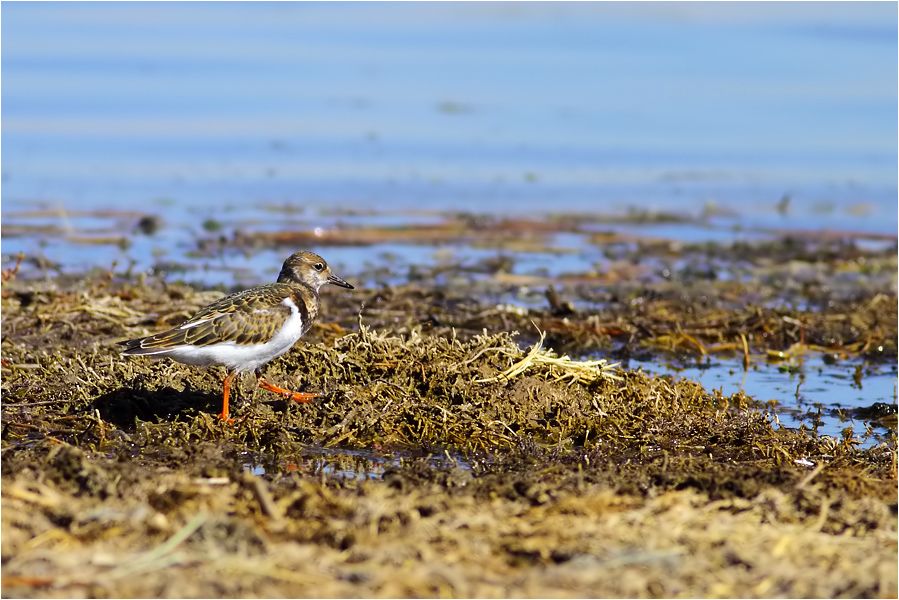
{"type": "Point", "coordinates": [344, 463]}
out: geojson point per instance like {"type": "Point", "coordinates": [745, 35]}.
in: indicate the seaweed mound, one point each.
{"type": "Point", "coordinates": [432, 464]}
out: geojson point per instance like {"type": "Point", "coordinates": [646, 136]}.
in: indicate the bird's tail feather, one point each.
{"type": "Point", "coordinates": [136, 348]}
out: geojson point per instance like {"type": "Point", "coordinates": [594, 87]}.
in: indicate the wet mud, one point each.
{"type": "Point", "coordinates": [462, 445]}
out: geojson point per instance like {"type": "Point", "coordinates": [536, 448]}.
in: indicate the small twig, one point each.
{"type": "Point", "coordinates": [10, 274]}
{"type": "Point", "coordinates": [260, 490]}
{"type": "Point", "coordinates": [808, 478]}
{"type": "Point", "coordinates": [159, 557]}
{"type": "Point", "coordinates": [745, 352]}
{"type": "Point", "coordinates": [822, 515]}
{"type": "Point", "coordinates": [40, 402]}
{"type": "Point", "coordinates": [212, 481]}
{"type": "Point", "coordinates": [520, 366]}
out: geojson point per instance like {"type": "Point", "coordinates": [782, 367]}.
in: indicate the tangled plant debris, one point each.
{"type": "Point", "coordinates": [448, 456]}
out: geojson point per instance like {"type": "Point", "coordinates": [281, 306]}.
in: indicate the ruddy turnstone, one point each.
{"type": "Point", "coordinates": [244, 331]}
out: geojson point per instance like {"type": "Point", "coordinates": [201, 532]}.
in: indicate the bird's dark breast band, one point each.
{"type": "Point", "coordinates": [306, 301]}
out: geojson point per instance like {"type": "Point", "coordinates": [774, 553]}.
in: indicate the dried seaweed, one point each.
{"type": "Point", "coordinates": [447, 456]}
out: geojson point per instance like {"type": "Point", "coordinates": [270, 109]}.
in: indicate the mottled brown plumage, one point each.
{"type": "Point", "coordinates": [247, 329]}
{"type": "Point", "coordinates": [252, 316]}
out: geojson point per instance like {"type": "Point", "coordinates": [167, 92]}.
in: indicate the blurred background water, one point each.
{"type": "Point", "coordinates": [488, 107]}
{"type": "Point", "coordinates": [771, 116]}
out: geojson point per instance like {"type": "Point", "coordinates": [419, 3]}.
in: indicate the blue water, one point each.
{"type": "Point", "coordinates": [812, 390]}
{"type": "Point", "coordinates": [491, 107]}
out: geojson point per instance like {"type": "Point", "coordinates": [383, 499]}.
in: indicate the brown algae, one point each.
{"type": "Point", "coordinates": [561, 477]}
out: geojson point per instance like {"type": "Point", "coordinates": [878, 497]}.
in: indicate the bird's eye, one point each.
{"type": "Point", "coordinates": [318, 267]}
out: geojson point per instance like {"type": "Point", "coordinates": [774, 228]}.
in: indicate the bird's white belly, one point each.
{"type": "Point", "coordinates": [244, 357]}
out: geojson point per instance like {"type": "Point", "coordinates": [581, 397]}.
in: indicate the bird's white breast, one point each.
{"type": "Point", "coordinates": [245, 357]}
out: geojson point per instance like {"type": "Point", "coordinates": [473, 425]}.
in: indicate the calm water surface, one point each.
{"type": "Point", "coordinates": [487, 107]}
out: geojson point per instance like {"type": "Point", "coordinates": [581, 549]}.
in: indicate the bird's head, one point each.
{"type": "Point", "coordinates": [311, 269]}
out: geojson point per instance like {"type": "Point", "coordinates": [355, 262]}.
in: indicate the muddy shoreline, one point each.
{"type": "Point", "coordinates": [455, 451]}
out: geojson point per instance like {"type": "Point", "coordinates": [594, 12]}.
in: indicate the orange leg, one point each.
{"type": "Point", "coordinates": [300, 397]}
{"type": "Point", "coordinates": [226, 393]}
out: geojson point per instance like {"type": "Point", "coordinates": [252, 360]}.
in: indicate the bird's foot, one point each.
{"type": "Point", "coordinates": [231, 420]}
{"type": "Point", "coordinates": [300, 397]}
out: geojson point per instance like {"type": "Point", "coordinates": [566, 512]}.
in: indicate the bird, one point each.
{"type": "Point", "coordinates": [247, 329]}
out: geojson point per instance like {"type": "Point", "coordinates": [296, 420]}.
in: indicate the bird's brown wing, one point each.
{"type": "Point", "coordinates": [252, 316]}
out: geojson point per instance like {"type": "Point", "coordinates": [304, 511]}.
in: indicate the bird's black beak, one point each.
{"type": "Point", "coordinates": [340, 282]}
